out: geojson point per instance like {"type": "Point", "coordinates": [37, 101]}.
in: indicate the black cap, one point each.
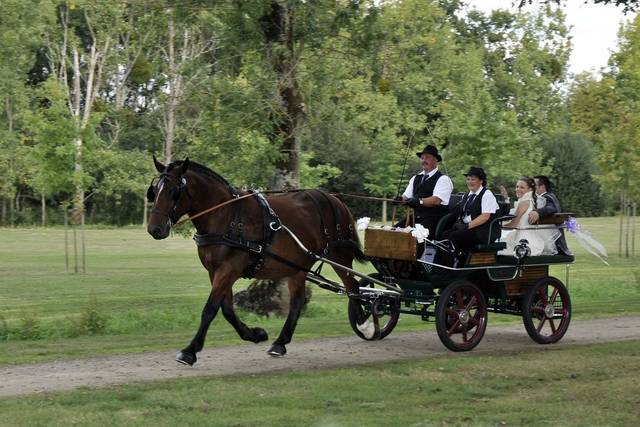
{"type": "Point", "coordinates": [430, 149]}
{"type": "Point", "coordinates": [478, 172]}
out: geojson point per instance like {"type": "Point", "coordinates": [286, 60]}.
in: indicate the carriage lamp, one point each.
{"type": "Point", "coordinates": [522, 249]}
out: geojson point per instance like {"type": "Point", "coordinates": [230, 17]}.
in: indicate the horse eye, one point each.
{"type": "Point", "coordinates": [151, 194]}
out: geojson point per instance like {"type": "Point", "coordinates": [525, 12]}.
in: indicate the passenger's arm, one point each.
{"type": "Point", "coordinates": [522, 208]}
{"type": "Point", "coordinates": [481, 219]}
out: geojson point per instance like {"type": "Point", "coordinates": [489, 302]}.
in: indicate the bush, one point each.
{"type": "Point", "coordinates": [30, 328]}
{"type": "Point", "coordinates": [4, 329]}
{"type": "Point", "coordinates": [91, 321]}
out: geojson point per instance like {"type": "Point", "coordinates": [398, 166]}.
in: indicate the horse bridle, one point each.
{"type": "Point", "coordinates": [179, 183]}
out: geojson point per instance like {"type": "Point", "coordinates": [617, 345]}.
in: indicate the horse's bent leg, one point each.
{"type": "Point", "coordinates": [296, 302]}
{"type": "Point", "coordinates": [255, 335]}
{"type": "Point", "coordinates": [220, 283]}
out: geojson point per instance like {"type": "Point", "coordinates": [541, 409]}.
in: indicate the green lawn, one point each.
{"type": "Point", "coordinates": [151, 293]}
{"type": "Point", "coordinates": [545, 387]}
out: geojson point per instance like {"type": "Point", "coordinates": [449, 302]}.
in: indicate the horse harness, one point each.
{"type": "Point", "coordinates": [234, 237]}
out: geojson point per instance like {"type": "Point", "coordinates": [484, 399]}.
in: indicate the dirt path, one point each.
{"type": "Point", "coordinates": [315, 354]}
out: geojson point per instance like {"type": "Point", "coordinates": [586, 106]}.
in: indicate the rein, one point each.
{"type": "Point", "coordinates": [213, 208]}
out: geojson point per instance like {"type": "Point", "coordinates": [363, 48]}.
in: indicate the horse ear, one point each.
{"type": "Point", "coordinates": [185, 165]}
{"type": "Point", "coordinates": [151, 194]}
{"type": "Point", "coordinates": [159, 166]}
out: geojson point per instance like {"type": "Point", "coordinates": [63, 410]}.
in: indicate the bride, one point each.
{"type": "Point", "coordinates": [541, 241]}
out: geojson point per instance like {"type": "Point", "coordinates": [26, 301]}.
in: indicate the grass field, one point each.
{"type": "Point", "coordinates": [150, 294]}
{"type": "Point", "coordinates": [565, 387]}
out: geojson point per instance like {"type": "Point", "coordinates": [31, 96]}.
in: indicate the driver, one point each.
{"type": "Point", "coordinates": [428, 192]}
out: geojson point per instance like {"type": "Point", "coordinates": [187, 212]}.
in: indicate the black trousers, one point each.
{"type": "Point", "coordinates": [463, 240]}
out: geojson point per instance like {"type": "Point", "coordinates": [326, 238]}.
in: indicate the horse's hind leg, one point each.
{"type": "Point", "coordinates": [296, 303]}
{"type": "Point", "coordinates": [255, 335]}
{"type": "Point", "coordinates": [220, 283]}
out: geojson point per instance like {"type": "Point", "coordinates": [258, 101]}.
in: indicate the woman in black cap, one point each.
{"type": "Point", "coordinates": [429, 191]}
{"type": "Point", "coordinates": [475, 213]}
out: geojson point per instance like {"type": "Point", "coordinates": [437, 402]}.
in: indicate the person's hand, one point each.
{"type": "Point", "coordinates": [397, 201]}
{"type": "Point", "coordinates": [533, 217]}
{"type": "Point", "coordinates": [459, 226]}
{"type": "Point", "coordinates": [503, 192]}
{"type": "Point", "coordinates": [413, 202]}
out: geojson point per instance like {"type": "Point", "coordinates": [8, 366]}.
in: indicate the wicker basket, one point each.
{"type": "Point", "coordinates": [380, 243]}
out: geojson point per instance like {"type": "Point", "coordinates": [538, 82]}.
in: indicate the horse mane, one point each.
{"type": "Point", "coordinates": [203, 170]}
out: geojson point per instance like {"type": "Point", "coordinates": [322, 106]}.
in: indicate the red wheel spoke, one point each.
{"type": "Point", "coordinates": [554, 295]}
{"type": "Point", "coordinates": [459, 300]}
{"type": "Point", "coordinates": [473, 301]}
{"type": "Point", "coordinates": [539, 328]}
{"type": "Point", "coordinates": [473, 322]}
{"type": "Point", "coordinates": [465, 338]}
{"type": "Point", "coordinates": [453, 328]}
{"type": "Point", "coordinates": [553, 326]}
{"type": "Point", "coordinates": [543, 295]}
{"type": "Point", "coordinates": [452, 312]}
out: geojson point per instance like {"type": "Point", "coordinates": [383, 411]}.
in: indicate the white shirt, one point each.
{"type": "Point", "coordinates": [442, 190]}
{"type": "Point", "coordinates": [489, 204]}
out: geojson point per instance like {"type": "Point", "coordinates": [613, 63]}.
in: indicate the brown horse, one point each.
{"type": "Point", "coordinates": [245, 239]}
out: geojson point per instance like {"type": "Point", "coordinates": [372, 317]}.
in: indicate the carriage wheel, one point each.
{"type": "Point", "coordinates": [546, 311]}
{"type": "Point", "coordinates": [366, 318]}
{"type": "Point", "coordinates": [461, 316]}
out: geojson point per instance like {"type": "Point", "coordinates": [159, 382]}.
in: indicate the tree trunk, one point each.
{"type": "Point", "coordinates": [277, 27]}
{"type": "Point", "coordinates": [43, 204]}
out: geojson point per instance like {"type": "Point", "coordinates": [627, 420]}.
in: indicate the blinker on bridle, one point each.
{"type": "Point", "coordinates": [179, 184]}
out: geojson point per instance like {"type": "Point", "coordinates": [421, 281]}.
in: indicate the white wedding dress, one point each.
{"type": "Point", "coordinates": [542, 241]}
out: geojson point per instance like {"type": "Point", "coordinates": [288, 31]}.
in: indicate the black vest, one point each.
{"type": "Point", "coordinates": [475, 210]}
{"type": "Point", "coordinates": [423, 188]}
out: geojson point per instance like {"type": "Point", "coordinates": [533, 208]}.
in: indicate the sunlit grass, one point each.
{"type": "Point", "coordinates": [152, 292]}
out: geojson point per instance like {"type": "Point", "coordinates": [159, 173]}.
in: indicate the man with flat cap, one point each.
{"type": "Point", "coordinates": [429, 191]}
{"type": "Point", "coordinates": [475, 212]}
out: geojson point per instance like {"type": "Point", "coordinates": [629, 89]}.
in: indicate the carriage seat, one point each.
{"type": "Point", "coordinates": [540, 259]}
{"type": "Point", "coordinates": [489, 247]}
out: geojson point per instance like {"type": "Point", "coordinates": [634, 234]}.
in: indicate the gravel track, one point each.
{"type": "Point", "coordinates": [313, 354]}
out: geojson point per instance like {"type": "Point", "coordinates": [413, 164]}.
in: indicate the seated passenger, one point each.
{"type": "Point", "coordinates": [541, 241]}
{"type": "Point", "coordinates": [474, 213]}
{"type": "Point", "coordinates": [547, 204]}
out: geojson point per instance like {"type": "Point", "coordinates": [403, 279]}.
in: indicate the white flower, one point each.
{"type": "Point", "coordinates": [362, 223]}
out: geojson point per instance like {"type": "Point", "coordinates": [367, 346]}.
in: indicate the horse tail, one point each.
{"type": "Point", "coordinates": [353, 242]}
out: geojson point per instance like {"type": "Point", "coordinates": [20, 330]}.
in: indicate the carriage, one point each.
{"type": "Point", "coordinates": [242, 234]}
{"type": "Point", "coordinates": [411, 279]}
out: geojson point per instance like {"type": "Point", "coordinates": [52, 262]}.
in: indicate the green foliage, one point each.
{"type": "Point", "coordinates": [606, 111]}
{"type": "Point", "coordinates": [573, 166]}
{"type": "Point", "coordinates": [4, 329]}
{"type": "Point", "coordinates": [92, 321]}
{"type": "Point", "coordinates": [30, 327]}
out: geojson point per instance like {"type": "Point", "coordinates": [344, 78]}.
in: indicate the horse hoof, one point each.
{"type": "Point", "coordinates": [186, 358]}
{"type": "Point", "coordinates": [258, 335]}
{"type": "Point", "coordinates": [277, 350]}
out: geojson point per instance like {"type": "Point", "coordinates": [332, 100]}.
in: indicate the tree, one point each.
{"type": "Point", "coordinates": [627, 5]}
{"type": "Point", "coordinates": [572, 162]}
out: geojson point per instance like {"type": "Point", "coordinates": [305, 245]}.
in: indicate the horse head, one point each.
{"type": "Point", "coordinates": [169, 197]}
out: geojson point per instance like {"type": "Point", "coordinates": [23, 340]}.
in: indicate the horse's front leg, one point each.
{"type": "Point", "coordinates": [296, 303]}
{"type": "Point", "coordinates": [221, 283]}
{"type": "Point", "coordinates": [255, 335]}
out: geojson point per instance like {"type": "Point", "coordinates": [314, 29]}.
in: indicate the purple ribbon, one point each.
{"type": "Point", "coordinates": [571, 224]}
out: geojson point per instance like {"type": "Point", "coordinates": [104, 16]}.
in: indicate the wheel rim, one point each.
{"type": "Point", "coordinates": [549, 310]}
{"type": "Point", "coordinates": [364, 321]}
{"type": "Point", "coordinates": [466, 316]}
